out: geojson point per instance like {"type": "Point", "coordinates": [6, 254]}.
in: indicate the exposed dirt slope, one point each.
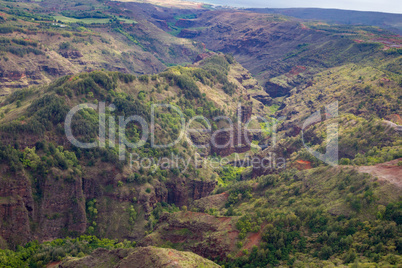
{"type": "Point", "coordinates": [390, 172]}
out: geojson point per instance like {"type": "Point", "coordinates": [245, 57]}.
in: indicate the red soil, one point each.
{"type": "Point", "coordinates": [253, 240]}
{"type": "Point", "coordinates": [303, 165]}
{"type": "Point", "coordinates": [224, 219]}
{"type": "Point", "coordinates": [386, 172]}
{"type": "Point", "coordinates": [53, 264]}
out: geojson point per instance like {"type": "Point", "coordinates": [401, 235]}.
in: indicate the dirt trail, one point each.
{"type": "Point", "coordinates": [389, 171]}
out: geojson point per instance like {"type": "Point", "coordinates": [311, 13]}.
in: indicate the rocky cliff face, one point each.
{"type": "Point", "coordinates": [182, 191]}
{"type": "Point", "coordinates": [30, 70]}
{"type": "Point", "coordinates": [52, 208]}
{"type": "Point", "coordinates": [236, 140]}
{"type": "Point", "coordinates": [55, 206]}
{"type": "Point", "coordinates": [62, 208]}
{"type": "Point", "coordinates": [275, 90]}
{"type": "Point", "coordinates": [225, 143]}
{"type": "Point", "coordinates": [16, 209]}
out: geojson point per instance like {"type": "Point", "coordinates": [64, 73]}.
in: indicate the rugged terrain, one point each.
{"type": "Point", "coordinates": [336, 16]}
{"type": "Point", "coordinates": [141, 257]}
{"type": "Point", "coordinates": [39, 50]}
{"type": "Point", "coordinates": [66, 206]}
{"type": "Point", "coordinates": [38, 206]}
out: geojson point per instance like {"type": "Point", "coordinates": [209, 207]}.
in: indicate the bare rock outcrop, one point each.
{"type": "Point", "coordinates": [182, 191]}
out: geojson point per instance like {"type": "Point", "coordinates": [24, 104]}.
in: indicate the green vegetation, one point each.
{"type": "Point", "coordinates": [41, 113]}
{"type": "Point", "coordinates": [175, 30]}
{"type": "Point", "coordinates": [85, 14]}
{"type": "Point", "coordinates": [300, 49]}
{"type": "Point", "coordinates": [34, 254]}
{"type": "Point", "coordinates": [319, 219]}
{"type": "Point", "coordinates": [317, 216]}
{"type": "Point", "coordinates": [65, 19]}
{"type": "Point", "coordinates": [19, 47]}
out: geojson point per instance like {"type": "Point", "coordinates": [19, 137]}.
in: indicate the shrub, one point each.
{"type": "Point", "coordinates": [189, 87]}
{"type": "Point", "coordinates": [66, 34]}
{"type": "Point", "coordinates": [349, 257]}
{"type": "Point", "coordinates": [104, 80]}
{"type": "Point", "coordinates": [393, 212]}
{"type": "Point", "coordinates": [65, 45]}
{"type": "Point", "coordinates": [132, 215]}
{"type": "Point", "coordinates": [344, 161]}
{"type": "Point", "coordinates": [144, 78]}
{"type": "Point", "coordinates": [326, 253]}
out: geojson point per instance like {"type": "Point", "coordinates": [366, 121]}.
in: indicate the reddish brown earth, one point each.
{"type": "Point", "coordinates": [253, 240]}
{"type": "Point", "coordinates": [303, 165]}
{"type": "Point", "coordinates": [389, 171]}
{"type": "Point", "coordinates": [53, 264]}
{"type": "Point", "coordinates": [224, 219]}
